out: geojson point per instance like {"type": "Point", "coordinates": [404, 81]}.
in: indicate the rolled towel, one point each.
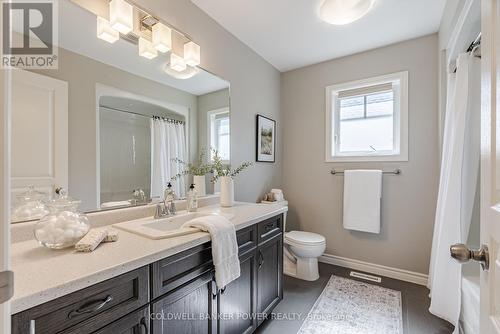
{"type": "Point", "coordinates": [111, 235]}
{"type": "Point", "coordinates": [91, 240]}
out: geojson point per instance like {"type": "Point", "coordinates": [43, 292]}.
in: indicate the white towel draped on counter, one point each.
{"type": "Point", "coordinates": [224, 247]}
{"type": "Point", "coordinates": [362, 195]}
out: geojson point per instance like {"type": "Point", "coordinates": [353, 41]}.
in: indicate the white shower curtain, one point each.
{"type": "Point", "coordinates": [168, 141]}
{"type": "Point", "coordinates": [457, 186]}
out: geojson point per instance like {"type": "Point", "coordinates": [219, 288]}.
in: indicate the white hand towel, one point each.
{"type": "Point", "coordinates": [362, 196]}
{"type": "Point", "coordinates": [224, 247]}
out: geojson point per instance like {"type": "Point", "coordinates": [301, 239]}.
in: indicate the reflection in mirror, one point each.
{"type": "Point", "coordinates": [107, 123]}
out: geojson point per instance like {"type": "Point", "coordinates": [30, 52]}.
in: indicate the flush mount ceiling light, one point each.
{"type": "Point", "coordinates": [105, 32]}
{"type": "Point", "coordinates": [340, 12]}
{"type": "Point", "coordinates": [121, 16]}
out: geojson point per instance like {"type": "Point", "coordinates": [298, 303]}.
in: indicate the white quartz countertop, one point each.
{"type": "Point", "coordinates": [42, 274]}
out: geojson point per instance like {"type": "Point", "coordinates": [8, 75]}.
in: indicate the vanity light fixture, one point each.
{"type": "Point", "coordinates": [121, 16]}
{"type": "Point", "coordinates": [192, 53]}
{"type": "Point", "coordinates": [340, 12]}
{"type": "Point", "coordinates": [105, 32]}
{"type": "Point", "coordinates": [146, 48]}
{"type": "Point", "coordinates": [151, 36]}
{"type": "Point", "coordinates": [177, 63]}
{"type": "Point", "coordinates": [162, 37]}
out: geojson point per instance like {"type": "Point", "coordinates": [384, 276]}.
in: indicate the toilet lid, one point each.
{"type": "Point", "coordinates": [305, 238]}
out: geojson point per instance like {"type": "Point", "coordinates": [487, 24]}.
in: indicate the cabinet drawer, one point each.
{"type": "Point", "coordinates": [269, 228]}
{"type": "Point", "coordinates": [172, 272]}
{"type": "Point", "coordinates": [247, 239]}
{"type": "Point", "coordinates": [87, 309]}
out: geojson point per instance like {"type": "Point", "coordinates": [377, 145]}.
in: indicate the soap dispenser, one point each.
{"type": "Point", "coordinates": [169, 198]}
{"type": "Point", "coordinates": [192, 199]}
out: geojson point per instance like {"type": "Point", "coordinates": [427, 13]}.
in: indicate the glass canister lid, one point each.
{"type": "Point", "coordinates": [62, 201]}
{"type": "Point", "coordinates": [29, 205]}
{"type": "Point", "coordinates": [31, 195]}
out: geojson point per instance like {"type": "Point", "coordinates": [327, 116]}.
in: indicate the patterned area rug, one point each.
{"type": "Point", "coordinates": [352, 307]}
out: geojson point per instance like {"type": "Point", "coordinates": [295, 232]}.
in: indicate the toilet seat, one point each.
{"type": "Point", "coordinates": [304, 238]}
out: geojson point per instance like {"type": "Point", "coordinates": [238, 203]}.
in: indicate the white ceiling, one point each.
{"type": "Point", "coordinates": [289, 34]}
{"type": "Point", "coordinates": [77, 33]}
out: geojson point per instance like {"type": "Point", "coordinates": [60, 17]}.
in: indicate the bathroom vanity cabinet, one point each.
{"type": "Point", "coordinates": [175, 295]}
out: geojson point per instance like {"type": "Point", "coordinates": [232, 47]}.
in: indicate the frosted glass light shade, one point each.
{"type": "Point", "coordinates": [192, 54]}
{"type": "Point", "coordinates": [121, 16]}
{"type": "Point", "coordinates": [340, 12]}
{"type": "Point", "coordinates": [177, 63]}
{"type": "Point", "coordinates": [162, 37]}
{"type": "Point", "coordinates": [105, 32]}
{"type": "Point", "coordinates": [146, 49]}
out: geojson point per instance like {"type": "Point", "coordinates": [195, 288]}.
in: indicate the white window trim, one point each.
{"type": "Point", "coordinates": [400, 137]}
{"type": "Point", "coordinates": [211, 113]}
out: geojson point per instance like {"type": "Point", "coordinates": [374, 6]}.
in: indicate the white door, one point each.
{"type": "Point", "coordinates": [490, 166]}
{"type": "Point", "coordinates": [39, 132]}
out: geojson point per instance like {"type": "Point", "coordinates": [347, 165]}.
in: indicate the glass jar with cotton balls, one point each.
{"type": "Point", "coordinates": [63, 226]}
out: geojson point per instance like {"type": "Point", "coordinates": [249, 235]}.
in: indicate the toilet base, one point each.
{"type": "Point", "coordinates": [304, 269]}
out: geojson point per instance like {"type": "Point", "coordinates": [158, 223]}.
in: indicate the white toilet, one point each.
{"type": "Point", "coordinates": [301, 251]}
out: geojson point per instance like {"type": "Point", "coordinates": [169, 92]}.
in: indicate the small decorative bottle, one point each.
{"type": "Point", "coordinates": [192, 199]}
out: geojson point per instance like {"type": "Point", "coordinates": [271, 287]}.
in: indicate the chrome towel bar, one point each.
{"type": "Point", "coordinates": [394, 172]}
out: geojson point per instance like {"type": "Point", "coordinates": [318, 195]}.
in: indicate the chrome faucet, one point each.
{"type": "Point", "coordinates": [167, 207]}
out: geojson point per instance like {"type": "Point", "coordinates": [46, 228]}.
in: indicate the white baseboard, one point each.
{"type": "Point", "coordinates": [400, 274]}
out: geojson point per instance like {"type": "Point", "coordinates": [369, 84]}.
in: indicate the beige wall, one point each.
{"type": "Point", "coordinates": [409, 200]}
{"type": "Point", "coordinates": [255, 89]}
{"type": "Point", "coordinates": [82, 74]}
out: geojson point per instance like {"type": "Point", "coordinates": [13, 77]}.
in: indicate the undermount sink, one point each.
{"type": "Point", "coordinates": [168, 227]}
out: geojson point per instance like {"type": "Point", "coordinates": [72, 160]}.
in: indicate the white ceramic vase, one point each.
{"type": "Point", "coordinates": [199, 184]}
{"type": "Point", "coordinates": [226, 191]}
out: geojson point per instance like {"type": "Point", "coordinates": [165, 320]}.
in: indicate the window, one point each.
{"type": "Point", "coordinates": [367, 120]}
{"type": "Point", "coordinates": [219, 132]}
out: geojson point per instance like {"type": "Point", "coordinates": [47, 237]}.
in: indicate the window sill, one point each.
{"type": "Point", "coordinates": [375, 158]}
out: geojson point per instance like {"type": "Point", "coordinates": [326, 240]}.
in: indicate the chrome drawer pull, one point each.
{"type": "Point", "coordinates": [90, 307]}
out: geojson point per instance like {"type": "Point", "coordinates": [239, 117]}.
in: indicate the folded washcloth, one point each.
{"type": "Point", "coordinates": [224, 247]}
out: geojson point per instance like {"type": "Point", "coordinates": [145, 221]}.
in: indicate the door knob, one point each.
{"type": "Point", "coordinates": [463, 254]}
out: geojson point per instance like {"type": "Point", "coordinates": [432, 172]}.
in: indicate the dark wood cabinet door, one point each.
{"type": "Point", "coordinates": [237, 302]}
{"type": "Point", "coordinates": [135, 323]}
{"type": "Point", "coordinates": [188, 309]}
{"type": "Point", "coordinates": [269, 275]}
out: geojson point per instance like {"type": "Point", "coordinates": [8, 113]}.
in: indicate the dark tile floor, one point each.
{"type": "Point", "coordinates": [299, 297]}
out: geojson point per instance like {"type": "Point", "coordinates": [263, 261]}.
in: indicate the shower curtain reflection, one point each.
{"type": "Point", "coordinates": [168, 141]}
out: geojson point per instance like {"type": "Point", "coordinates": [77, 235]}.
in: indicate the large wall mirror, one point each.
{"type": "Point", "coordinates": [109, 124]}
